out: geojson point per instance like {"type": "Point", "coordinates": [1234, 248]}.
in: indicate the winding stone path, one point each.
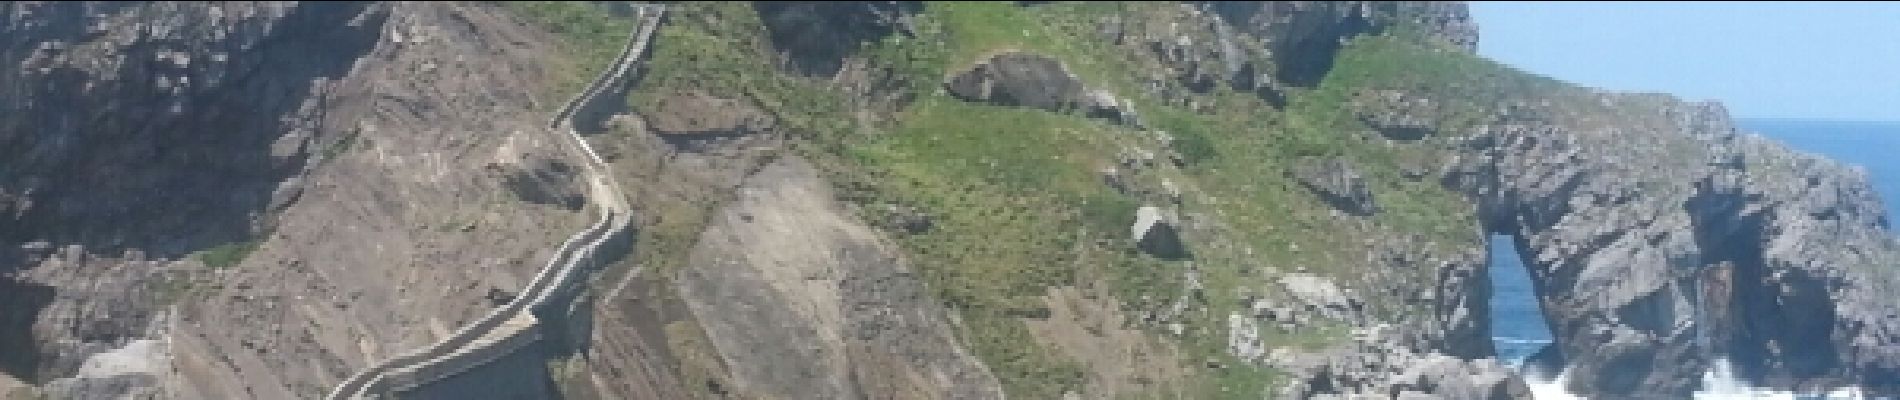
{"type": "Point", "coordinates": [514, 326]}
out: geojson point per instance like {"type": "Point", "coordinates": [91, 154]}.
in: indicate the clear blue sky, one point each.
{"type": "Point", "coordinates": [1818, 60]}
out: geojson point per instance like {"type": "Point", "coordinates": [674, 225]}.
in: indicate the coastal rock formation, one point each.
{"type": "Point", "coordinates": [254, 200]}
{"type": "Point", "coordinates": [1617, 219]}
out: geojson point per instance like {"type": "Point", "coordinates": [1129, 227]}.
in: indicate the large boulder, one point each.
{"type": "Point", "coordinates": [1036, 81]}
{"type": "Point", "coordinates": [1156, 232]}
{"type": "Point", "coordinates": [1018, 79]}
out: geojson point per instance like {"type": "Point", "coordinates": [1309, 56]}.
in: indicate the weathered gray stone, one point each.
{"type": "Point", "coordinates": [1019, 79]}
{"type": "Point", "coordinates": [1037, 81]}
{"type": "Point", "coordinates": [808, 303]}
{"type": "Point", "coordinates": [1661, 241]}
{"type": "Point", "coordinates": [1396, 115]}
{"type": "Point", "coordinates": [1338, 183]}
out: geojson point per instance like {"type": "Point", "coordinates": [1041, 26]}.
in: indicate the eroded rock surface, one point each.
{"type": "Point", "coordinates": [802, 301]}
{"type": "Point", "coordinates": [1338, 183]}
{"type": "Point", "coordinates": [1621, 220]}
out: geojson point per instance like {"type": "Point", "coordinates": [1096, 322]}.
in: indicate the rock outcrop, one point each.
{"type": "Point", "coordinates": [136, 134]}
{"type": "Point", "coordinates": [816, 37]}
{"type": "Point", "coordinates": [1157, 233]}
{"type": "Point", "coordinates": [1263, 47]}
{"type": "Point", "coordinates": [699, 122]}
{"type": "Point", "coordinates": [1619, 219]}
{"type": "Point", "coordinates": [1338, 183]}
{"type": "Point", "coordinates": [1037, 81]}
{"type": "Point", "coordinates": [803, 302]}
{"type": "Point", "coordinates": [701, 114]}
{"type": "Point", "coordinates": [1304, 36]}
{"type": "Point", "coordinates": [1396, 115]}
{"type": "Point", "coordinates": [1382, 362]}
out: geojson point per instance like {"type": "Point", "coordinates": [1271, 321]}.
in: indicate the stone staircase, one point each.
{"type": "Point", "coordinates": [514, 326]}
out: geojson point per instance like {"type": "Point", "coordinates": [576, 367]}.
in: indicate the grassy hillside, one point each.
{"type": "Point", "coordinates": [1015, 195]}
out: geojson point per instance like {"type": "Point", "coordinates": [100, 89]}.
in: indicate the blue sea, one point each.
{"type": "Point", "coordinates": [1518, 328]}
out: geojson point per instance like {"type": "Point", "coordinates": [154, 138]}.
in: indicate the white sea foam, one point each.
{"type": "Point", "coordinates": [1718, 383]}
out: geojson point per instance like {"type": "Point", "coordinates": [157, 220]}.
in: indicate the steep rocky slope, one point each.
{"type": "Point", "coordinates": [322, 140]}
{"type": "Point", "coordinates": [897, 200]}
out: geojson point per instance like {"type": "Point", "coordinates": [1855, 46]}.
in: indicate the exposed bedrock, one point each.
{"type": "Point", "coordinates": [331, 157]}
{"type": "Point", "coordinates": [1664, 241]}
{"type": "Point", "coordinates": [801, 300]}
{"type": "Point", "coordinates": [1303, 36]}
{"type": "Point", "coordinates": [134, 134]}
{"type": "Point", "coordinates": [816, 37]}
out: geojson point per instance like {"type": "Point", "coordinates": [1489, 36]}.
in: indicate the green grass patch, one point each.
{"type": "Point", "coordinates": [228, 254]}
{"type": "Point", "coordinates": [591, 36]}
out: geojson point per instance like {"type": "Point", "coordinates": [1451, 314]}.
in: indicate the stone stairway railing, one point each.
{"type": "Point", "coordinates": [513, 326]}
{"type": "Point", "coordinates": [623, 64]}
{"type": "Point", "coordinates": [373, 379]}
{"type": "Point", "coordinates": [518, 333]}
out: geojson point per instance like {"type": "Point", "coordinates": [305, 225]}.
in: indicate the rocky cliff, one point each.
{"type": "Point", "coordinates": [242, 181]}
{"type": "Point", "coordinates": [897, 200]}
{"type": "Point", "coordinates": [1625, 220]}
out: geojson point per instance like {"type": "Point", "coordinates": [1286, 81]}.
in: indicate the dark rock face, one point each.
{"type": "Point", "coordinates": [817, 36]}
{"type": "Point", "coordinates": [138, 134]}
{"type": "Point", "coordinates": [1265, 47]}
{"type": "Point", "coordinates": [1664, 239]}
{"type": "Point", "coordinates": [1807, 288]}
{"type": "Point", "coordinates": [181, 109]}
{"type": "Point", "coordinates": [1156, 234]}
{"type": "Point", "coordinates": [1312, 32]}
{"type": "Point", "coordinates": [146, 130]}
{"type": "Point", "coordinates": [1338, 183]}
{"type": "Point", "coordinates": [19, 351]}
{"type": "Point", "coordinates": [1303, 36]}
